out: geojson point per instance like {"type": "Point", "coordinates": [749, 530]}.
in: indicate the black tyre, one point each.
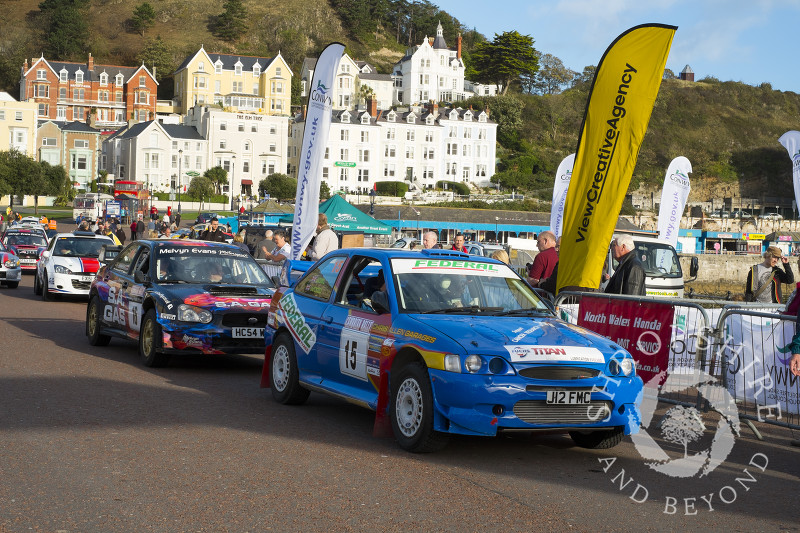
{"type": "Point", "coordinates": [150, 341]}
{"type": "Point", "coordinates": [37, 287]}
{"type": "Point", "coordinates": [411, 410]}
{"type": "Point", "coordinates": [93, 313]}
{"type": "Point", "coordinates": [12, 284]}
{"type": "Point", "coordinates": [283, 373]}
{"type": "Point", "coordinates": [597, 440]}
{"type": "Point", "coordinates": [45, 288]}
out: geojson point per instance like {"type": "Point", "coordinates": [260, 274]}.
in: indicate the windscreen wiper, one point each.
{"type": "Point", "coordinates": [462, 310]}
{"type": "Point", "coordinates": [525, 312]}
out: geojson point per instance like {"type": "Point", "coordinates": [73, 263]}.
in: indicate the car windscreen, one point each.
{"type": "Point", "coordinates": [659, 260]}
{"type": "Point", "coordinates": [79, 246]}
{"type": "Point", "coordinates": [25, 239]}
{"type": "Point", "coordinates": [428, 285]}
{"type": "Point", "coordinates": [201, 263]}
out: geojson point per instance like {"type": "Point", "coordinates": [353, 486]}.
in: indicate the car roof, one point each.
{"type": "Point", "coordinates": [401, 253]}
{"type": "Point", "coordinates": [82, 235]}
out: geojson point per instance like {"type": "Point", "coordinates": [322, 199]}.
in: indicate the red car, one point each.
{"type": "Point", "coordinates": [27, 244]}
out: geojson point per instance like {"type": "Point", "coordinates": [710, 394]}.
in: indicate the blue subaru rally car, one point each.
{"type": "Point", "coordinates": [440, 342]}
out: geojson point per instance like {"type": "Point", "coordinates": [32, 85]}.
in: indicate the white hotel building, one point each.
{"type": "Point", "coordinates": [420, 146]}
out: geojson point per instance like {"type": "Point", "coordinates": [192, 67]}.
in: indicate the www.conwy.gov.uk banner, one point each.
{"type": "Point", "coordinates": [791, 141]}
{"type": "Point", "coordinates": [673, 199]}
{"type": "Point", "coordinates": [620, 103]}
{"type": "Point", "coordinates": [315, 138]}
{"type": "Point", "coordinates": [563, 175]}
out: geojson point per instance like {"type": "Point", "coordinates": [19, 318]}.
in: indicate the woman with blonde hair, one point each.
{"type": "Point", "coordinates": [501, 255]}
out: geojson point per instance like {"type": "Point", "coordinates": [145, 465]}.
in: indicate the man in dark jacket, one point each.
{"type": "Point", "coordinates": [213, 233]}
{"type": "Point", "coordinates": [764, 279]}
{"type": "Point", "coordinates": [629, 276]}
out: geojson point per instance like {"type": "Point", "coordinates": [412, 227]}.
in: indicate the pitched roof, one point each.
{"type": "Point", "coordinates": [179, 131]}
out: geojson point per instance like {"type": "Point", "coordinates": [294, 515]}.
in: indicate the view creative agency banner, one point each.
{"type": "Point", "coordinates": [791, 141]}
{"type": "Point", "coordinates": [315, 138]}
{"type": "Point", "coordinates": [621, 100]}
{"type": "Point", "coordinates": [642, 328]}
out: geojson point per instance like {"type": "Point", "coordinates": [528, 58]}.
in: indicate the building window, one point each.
{"type": "Point", "coordinates": [81, 143]}
{"type": "Point", "coordinates": [409, 152]}
{"type": "Point", "coordinates": [467, 133]}
{"type": "Point", "coordinates": [256, 70]}
{"type": "Point", "coordinates": [41, 74]}
{"type": "Point", "coordinates": [344, 153]}
{"type": "Point", "coordinates": [62, 75]}
{"type": "Point", "coordinates": [49, 141]}
{"type": "Point", "coordinates": [390, 134]}
{"type": "Point", "coordinates": [465, 174]}
{"type": "Point", "coordinates": [363, 156]}
{"type": "Point", "coordinates": [77, 94]}
{"type": "Point", "coordinates": [118, 97]}
{"type": "Point", "coordinates": [79, 77]}
{"type": "Point", "coordinates": [254, 128]}
{"type": "Point", "coordinates": [61, 113]}
{"type": "Point", "coordinates": [364, 136]}
{"type": "Point", "coordinates": [237, 69]}
{"type": "Point", "coordinates": [247, 146]}
{"type": "Point", "coordinates": [198, 162]}
{"type": "Point", "coordinates": [246, 167]}
{"type": "Point", "coordinates": [363, 174]}
{"type": "Point", "coordinates": [218, 67]}
{"type": "Point", "coordinates": [77, 113]}
{"type": "Point", "coordinates": [223, 126]}
{"type": "Point", "coordinates": [388, 171]}
{"type": "Point", "coordinates": [142, 115]}
{"type": "Point", "coordinates": [273, 149]}
{"type": "Point", "coordinates": [278, 71]}
{"type": "Point", "coordinates": [119, 80]}
{"type": "Point", "coordinates": [345, 135]}
{"type": "Point", "coordinates": [343, 174]}
{"type": "Point", "coordinates": [62, 93]}
{"type": "Point", "coordinates": [273, 130]}
{"type": "Point", "coordinates": [389, 150]}
{"type": "Point", "coordinates": [409, 135]}
{"type": "Point", "coordinates": [241, 126]}
{"type": "Point", "coordinates": [44, 110]}
{"type": "Point", "coordinates": [223, 144]}
{"type": "Point", "coordinates": [465, 151]}
{"type": "Point", "coordinates": [452, 149]}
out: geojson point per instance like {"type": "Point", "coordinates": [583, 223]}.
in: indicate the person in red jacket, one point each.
{"type": "Point", "coordinates": [458, 243]}
{"type": "Point", "coordinates": [545, 261]}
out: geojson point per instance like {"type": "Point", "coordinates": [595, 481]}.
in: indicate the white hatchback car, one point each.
{"type": "Point", "coordinates": [69, 264]}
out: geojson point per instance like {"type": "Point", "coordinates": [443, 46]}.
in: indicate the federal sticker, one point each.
{"type": "Point", "coordinates": [296, 323]}
{"type": "Point", "coordinates": [533, 354]}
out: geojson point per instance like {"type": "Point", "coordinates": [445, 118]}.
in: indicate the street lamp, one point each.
{"type": "Point", "coordinates": [180, 177]}
{"type": "Point", "coordinates": [496, 234]}
{"type": "Point", "coordinates": [372, 202]}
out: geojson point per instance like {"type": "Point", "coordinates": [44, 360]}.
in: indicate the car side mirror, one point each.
{"type": "Point", "coordinates": [46, 254]}
{"type": "Point", "coordinates": [694, 267]}
{"type": "Point", "coordinates": [140, 277]}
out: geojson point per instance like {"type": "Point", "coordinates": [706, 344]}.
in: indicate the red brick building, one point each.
{"type": "Point", "coordinates": [67, 92]}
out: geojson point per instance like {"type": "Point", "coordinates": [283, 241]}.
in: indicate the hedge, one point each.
{"type": "Point", "coordinates": [459, 188]}
{"type": "Point", "coordinates": [391, 188]}
{"type": "Point", "coordinates": [185, 197]}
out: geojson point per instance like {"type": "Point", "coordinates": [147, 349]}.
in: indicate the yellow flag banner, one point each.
{"type": "Point", "coordinates": [620, 102]}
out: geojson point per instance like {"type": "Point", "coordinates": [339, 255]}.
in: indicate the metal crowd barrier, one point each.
{"type": "Point", "coordinates": [271, 268]}
{"type": "Point", "coordinates": [743, 345]}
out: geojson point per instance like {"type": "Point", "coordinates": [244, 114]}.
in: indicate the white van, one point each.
{"type": "Point", "coordinates": [662, 268]}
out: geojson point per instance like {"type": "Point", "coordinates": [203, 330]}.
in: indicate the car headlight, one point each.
{"type": "Point", "coordinates": [11, 263]}
{"type": "Point", "coordinates": [473, 363]}
{"type": "Point", "coordinates": [61, 269]}
{"type": "Point", "coordinates": [190, 313]}
{"type": "Point", "coordinates": [452, 363]}
{"type": "Point", "coordinates": [624, 366]}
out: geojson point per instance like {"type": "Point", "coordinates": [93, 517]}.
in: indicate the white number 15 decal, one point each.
{"type": "Point", "coordinates": [353, 353]}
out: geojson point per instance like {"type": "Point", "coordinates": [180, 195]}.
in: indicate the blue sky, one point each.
{"type": "Point", "coordinates": [752, 41]}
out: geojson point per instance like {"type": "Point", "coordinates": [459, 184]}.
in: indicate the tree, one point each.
{"type": "Point", "coordinates": [364, 93]}
{"type": "Point", "coordinates": [551, 77]}
{"type": "Point", "coordinates": [505, 60]}
{"type": "Point", "coordinates": [200, 187]}
{"type": "Point", "coordinates": [231, 24]}
{"type": "Point", "coordinates": [157, 56]}
{"type": "Point", "coordinates": [682, 425]}
{"type": "Point", "coordinates": [218, 177]}
{"type": "Point", "coordinates": [23, 175]}
{"type": "Point", "coordinates": [583, 81]}
{"type": "Point", "coordinates": [279, 186]}
{"type": "Point", "coordinates": [324, 191]}
{"type": "Point", "coordinates": [144, 16]}
{"type": "Point", "coordinates": [64, 28]}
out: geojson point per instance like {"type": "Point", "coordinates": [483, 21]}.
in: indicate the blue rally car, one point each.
{"type": "Point", "coordinates": [176, 296]}
{"type": "Point", "coordinates": [440, 342]}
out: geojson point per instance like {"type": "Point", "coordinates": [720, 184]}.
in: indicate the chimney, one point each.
{"type": "Point", "coordinates": [458, 46]}
{"type": "Point", "coordinates": [91, 62]}
{"type": "Point", "coordinates": [25, 65]}
{"type": "Point", "coordinates": [372, 107]}
{"type": "Point", "coordinates": [433, 107]}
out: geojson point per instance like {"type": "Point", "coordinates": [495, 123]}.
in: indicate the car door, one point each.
{"type": "Point", "coordinates": [311, 296]}
{"type": "Point", "coordinates": [114, 288]}
{"type": "Point", "coordinates": [349, 366]}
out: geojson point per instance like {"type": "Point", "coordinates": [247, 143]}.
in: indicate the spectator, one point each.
{"type": "Point", "coordinates": [458, 243]}
{"type": "Point", "coordinates": [238, 240]}
{"type": "Point", "coordinates": [214, 232]}
{"type": "Point", "coordinates": [178, 220]}
{"type": "Point", "coordinates": [120, 235]}
{"type": "Point", "coordinates": [139, 227]}
{"type": "Point", "coordinates": [151, 225]}
{"type": "Point", "coordinates": [761, 283]}
{"type": "Point", "coordinates": [549, 284]}
{"type": "Point", "coordinates": [431, 241]}
{"type": "Point", "coordinates": [629, 276]}
{"type": "Point", "coordinates": [501, 255]}
{"type": "Point", "coordinates": [153, 212]}
{"type": "Point", "coordinates": [545, 261]}
{"type": "Point", "coordinates": [282, 249]}
{"type": "Point", "coordinates": [133, 231]}
{"type": "Point", "coordinates": [166, 234]}
{"type": "Point", "coordinates": [106, 230]}
{"type": "Point", "coordinates": [326, 240]}
{"type": "Point", "coordinates": [265, 246]}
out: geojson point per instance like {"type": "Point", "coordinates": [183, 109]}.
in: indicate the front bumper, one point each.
{"type": "Point", "coordinates": [213, 338]}
{"type": "Point", "coordinates": [10, 274]}
{"type": "Point", "coordinates": [473, 404]}
{"type": "Point", "coordinates": [74, 284]}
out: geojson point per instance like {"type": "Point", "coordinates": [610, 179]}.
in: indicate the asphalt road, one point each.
{"type": "Point", "coordinates": [91, 440]}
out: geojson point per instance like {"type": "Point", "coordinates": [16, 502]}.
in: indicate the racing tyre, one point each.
{"type": "Point", "coordinates": [150, 341]}
{"type": "Point", "coordinates": [93, 313]}
{"type": "Point", "coordinates": [37, 288]}
{"type": "Point", "coordinates": [284, 375]}
{"type": "Point", "coordinates": [45, 289]}
{"type": "Point", "coordinates": [597, 440]}
{"type": "Point", "coordinates": [411, 411]}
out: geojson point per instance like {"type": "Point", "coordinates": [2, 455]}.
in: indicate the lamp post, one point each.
{"type": "Point", "coordinates": [180, 177]}
{"type": "Point", "coordinates": [496, 233]}
{"type": "Point", "coordinates": [233, 170]}
{"type": "Point", "coordinates": [372, 202]}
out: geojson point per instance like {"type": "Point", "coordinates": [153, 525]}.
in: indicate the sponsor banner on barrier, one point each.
{"type": "Point", "coordinates": [643, 328]}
